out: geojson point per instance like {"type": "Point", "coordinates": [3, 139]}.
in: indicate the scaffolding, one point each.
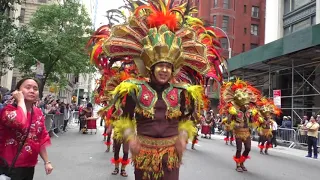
{"type": "Point", "coordinates": [297, 75]}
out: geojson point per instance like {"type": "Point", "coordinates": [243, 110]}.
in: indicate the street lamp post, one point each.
{"type": "Point", "coordinates": [229, 47]}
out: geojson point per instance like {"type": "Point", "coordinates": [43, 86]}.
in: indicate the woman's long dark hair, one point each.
{"type": "Point", "coordinates": [23, 80]}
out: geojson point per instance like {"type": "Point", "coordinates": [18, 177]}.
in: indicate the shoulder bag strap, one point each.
{"type": "Point", "coordinates": [21, 144]}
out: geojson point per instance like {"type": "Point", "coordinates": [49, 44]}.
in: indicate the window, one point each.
{"type": "Point", "coordinates": [226, 4]}
{"type": "Point", "coordinates": [245, 9]}
{"type": "Point", "coordinates": [255, 12]}
{"type": "Point", "coordinates": [245, 30]}
{"type": "Point", "coordinates": [301, 25]}
{"type": "Point", "coordinates": [225, 23]}
{"type": "Point", "coordinates": [224, 43]}
{"type": "Point", "coordinates": [287, 8]}
{"type": "Point", "coordinates": [313, 20]}
{"type": "Point", "coordinates": [252, 46]}
{"type": "Point", "coordinates": [215, 3]}
{"type": "Point", "coordinates": [286, 31]}
{"type": "Point", "coordinates": [243, 47]}
{"type": "Point", "coordinates": [298, 3]}
{"type": "Point", "coordinates": [214, 21]}
{"type": "Point", "coordinates": [254, 29]}
{"type": "Point", "coordinates": [22, 14]}
{"type": "Point", "coordinates": [42, 1]}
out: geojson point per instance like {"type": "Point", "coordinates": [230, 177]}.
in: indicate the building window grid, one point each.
{"type": "Point", "coordinates": [254, 29]}
{"type": "Point", "coordinates": [224, 43]}
{"type": "Point", "coordinates": [313, 20]}
{"type": "Point", "coordinates": [255, 12]}
{"type": "Point", "coordinates": [225, 23]}
{"type": "Point", "coordinates": [226, 4]}
{"type": "Point", "coordinates": [310, 21]}
{"type": "Point", "coordinates": [291, 5]}
{"type": "Point", "coordinates": [215, 3]}
{"type": "Point", "coordinates": [214, 20]}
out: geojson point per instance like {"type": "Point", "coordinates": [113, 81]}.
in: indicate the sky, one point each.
{"type": "Point", "coordinates": [103, 6]}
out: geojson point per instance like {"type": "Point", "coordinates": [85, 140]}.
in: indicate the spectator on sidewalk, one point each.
{"type": "Point", "coordinates": [66, 115]}
{"type": "Point", "coordinates": [318, 118]}
{"type": "Point", "coordinates": [304, 120]}
{"type": "Point", "coordinates": [312, 128]}
{"type": "Point", "coordinates": [274, 133]}
{"type": "Point", "coordinates": [23, 133]}
{"type": "Point", "coordinates": [286, 123]}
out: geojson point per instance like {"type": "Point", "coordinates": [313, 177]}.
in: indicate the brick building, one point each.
{"type": "Point", "coordinates": [243, 21]}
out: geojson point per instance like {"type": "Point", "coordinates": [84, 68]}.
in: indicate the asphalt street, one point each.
{"type": "Point", "coordinates": [82, 157]}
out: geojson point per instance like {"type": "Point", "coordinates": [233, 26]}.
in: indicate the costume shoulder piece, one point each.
{"type": "Point", "coordinates": [195, 94]}
{"type": "Point", "coordinates": [140, 91]}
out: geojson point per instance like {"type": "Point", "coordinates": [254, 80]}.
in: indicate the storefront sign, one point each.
{"type": "Point", "coordinates": [277, 97]}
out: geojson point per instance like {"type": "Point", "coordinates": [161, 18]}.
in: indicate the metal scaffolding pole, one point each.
{"type": "Point", "coordinates": [292, 91]}
{"type": "Point", "coordinates": [269, 81]}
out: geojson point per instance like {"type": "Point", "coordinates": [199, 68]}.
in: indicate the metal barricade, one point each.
{"type": "Point", "coordinates": [50, 124]}
{"type": "Point", "coordinates": [302, 137]}
{"type": "Point", "coordinates": [59, 121]}
{"type": "Point", "coordinates": [318, 139]}
{"type": "Point", "coordinates": [75, 116]}
{"type": "Point", "coordinates": [287, 136]}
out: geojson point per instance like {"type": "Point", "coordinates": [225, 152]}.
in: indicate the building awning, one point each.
{"type": "Point", "coordinates": [302, 47]}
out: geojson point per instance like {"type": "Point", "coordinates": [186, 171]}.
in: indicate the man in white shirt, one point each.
{"type": "Point", "coordinates": [274, 127]}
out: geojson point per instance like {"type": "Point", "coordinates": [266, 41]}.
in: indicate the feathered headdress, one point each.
{"type": "Point", "coordinates": [235, 97]}
{"type": "Point", "coordinates": [158, 32]}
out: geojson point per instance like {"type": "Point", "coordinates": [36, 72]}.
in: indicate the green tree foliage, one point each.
{"type": "Point", "coordinates": [7, 43]}
{"type": "Point", "coordinates": [8, 5]}
{"type": "Point", "coordinates": [56, 36]}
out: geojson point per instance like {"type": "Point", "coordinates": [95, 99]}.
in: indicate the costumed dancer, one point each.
{"type": "Point", "coordinates": [228, 130]}
{"type": "Point", "coordinates": [206, 126]}
{"type": "Point", "coordinates": [267, 109]}
{"type": "Point", "coordinates": [238, 100]}
{"type": "Point", "coordinates": [195, 137]}
{"type": "Point", "coordinates": [150, 112]}
{"type": "Point", "coordinates": [111, 77]}
{"type": "Point", "coordinates": [265, 135]}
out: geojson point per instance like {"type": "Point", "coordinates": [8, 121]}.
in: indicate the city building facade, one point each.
{"type": "Point", "coordinates": [287, 67]}
{"type": "Point", "coordinates": [242, 21]}
{"type": "Point", "coordinates": [284, 17]}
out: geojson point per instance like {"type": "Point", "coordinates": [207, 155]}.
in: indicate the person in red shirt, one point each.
{"type": "Point", "coordinates": [19, 121]}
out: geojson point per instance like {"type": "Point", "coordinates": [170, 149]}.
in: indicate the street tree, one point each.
{"type": "Point", "coordinates": [56, 37]}
{"type": "Point", "coordinates": [7, 43]}
{"type": "Point", "coordinates": [8, 5]}
{"type": "Point", "coordinates": [7, 34]}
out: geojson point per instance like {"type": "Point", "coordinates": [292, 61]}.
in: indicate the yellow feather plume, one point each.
{"type": "Point", "coordinates": [196, 92]}
{"type": "Point", "coordinates": [188, 126]}
{"type": "Point", "coordinates": [121, 125]}
{"type": "Point", "coordinates": [232, 110]}
{"type": "Point", "coordinates": [125, 88]}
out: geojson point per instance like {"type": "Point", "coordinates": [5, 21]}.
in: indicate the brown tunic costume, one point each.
{"type": "Point", "coordinates": [161, 130]}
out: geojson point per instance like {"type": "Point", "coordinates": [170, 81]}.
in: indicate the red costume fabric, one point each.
{"type": "Point", "coordinates": [13, 128]}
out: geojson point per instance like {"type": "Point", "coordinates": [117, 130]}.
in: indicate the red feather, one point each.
{"type": "Point", "coordinates": [157, 19]}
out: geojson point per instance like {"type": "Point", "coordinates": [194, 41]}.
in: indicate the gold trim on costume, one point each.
{"type": "Point", "coordinates": [242, 133]}
{"type": "Point", "coordinates": [150, 157]}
